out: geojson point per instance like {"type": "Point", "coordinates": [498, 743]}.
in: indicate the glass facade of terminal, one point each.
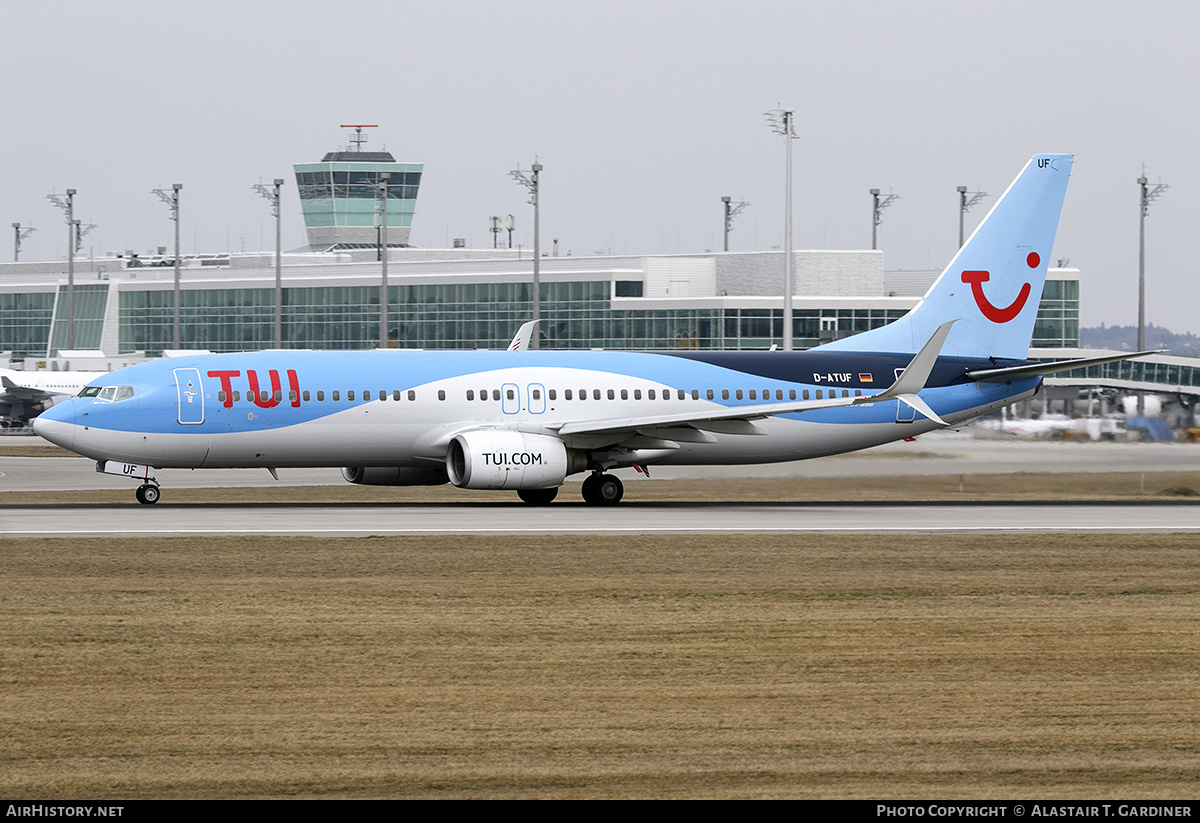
{"type": "Point", "coordinates": [25, 323]}
{"type": "Point", "coordinates": [1057, 325]}
{"type": "Point", "coordinates": [575, 315]}
{"type": "Point", "coordinates": [90, 302]}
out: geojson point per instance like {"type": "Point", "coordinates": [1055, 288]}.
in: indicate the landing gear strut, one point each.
{"type": "Point", "coordinates": [147, 493]}
{"type": "Point", "coordinates": [603, 490]}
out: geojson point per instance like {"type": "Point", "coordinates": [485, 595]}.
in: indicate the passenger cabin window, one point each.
{"type": "Point", "coordinates": [321, 396]}
{"type": "Point", "coordinates": [537, 394]}
{"type": "Point", "coordinates": [470, 394]}
{"type": "Point", "coordinates": [382, 394]}
{"type": "Point", "coordinates": [567, 394]}
{"type": "Point", "coordinates": [595, 394]}
{"type": "Point", "coordinates": [412, 395]}
{"type": "Point", "coordinates": [350, 394]}
{"type": "Point", "coordinates": [395, 394]}
{"type": "Point", "coordinates": [441, 394]}
{"type": "Point", "coordinates": [552, 393]}
{"type": "Point", "coordinates": [306, 396]}
{"type": "Point", "coordinates": [337, 395]}
{"type": "Point", "coordinates": [495, 394]}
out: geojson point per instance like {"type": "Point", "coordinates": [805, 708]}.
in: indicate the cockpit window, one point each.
{"type": "Point", "coordinates": [113, 393]}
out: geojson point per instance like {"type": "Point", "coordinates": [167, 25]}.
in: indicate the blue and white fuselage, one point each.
{"type": "Point", "coordinates": [398, 408]}
{"type": "Point", "coordinates": [526, 420]}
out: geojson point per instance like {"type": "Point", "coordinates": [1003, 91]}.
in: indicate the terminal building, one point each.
{"type": "Point", "coordinates": [477, 298]}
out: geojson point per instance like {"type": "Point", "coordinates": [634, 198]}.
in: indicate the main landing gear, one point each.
{"type": "Point", "coordinates": [147, 493]}
{"type": "Point", "coordinates": [603, 489]}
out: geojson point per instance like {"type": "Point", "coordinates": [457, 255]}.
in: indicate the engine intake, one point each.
{"type": "Point", "coordinates": [505, 459]}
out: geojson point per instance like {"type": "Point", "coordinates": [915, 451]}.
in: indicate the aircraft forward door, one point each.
{"type": "Point", "coordinates": [191, 397]}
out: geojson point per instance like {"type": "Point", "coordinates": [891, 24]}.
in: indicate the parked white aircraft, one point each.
{"type": "Point", "coordinates": [525, 420]}
{"type": "Point", "coordinates": [23, 394]}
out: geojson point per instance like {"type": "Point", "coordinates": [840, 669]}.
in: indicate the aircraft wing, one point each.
{"type": "Point", "coordinates": [905, 389]}
{"type": "Point", "coordinates": [24, 392]}
{"type": "Point", "coordinates": [1013, 372]}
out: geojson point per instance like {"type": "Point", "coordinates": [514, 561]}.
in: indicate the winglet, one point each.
{"type": "Point", "coordinates": [915, 376]}
{"type": "Point", "coordinates": [521, 341]}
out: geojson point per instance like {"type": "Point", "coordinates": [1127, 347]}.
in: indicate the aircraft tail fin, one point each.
{"type": "Point", "coordinates": [520, 341]}
{"type": "Point", "coordinates": [993, 285]}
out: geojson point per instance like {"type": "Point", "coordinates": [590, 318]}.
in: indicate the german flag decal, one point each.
{"type": "Point", "coordinates": [865, 377]}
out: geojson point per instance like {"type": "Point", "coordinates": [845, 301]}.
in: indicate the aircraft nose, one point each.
{"type": "Point", "coordinates": [57, 424]}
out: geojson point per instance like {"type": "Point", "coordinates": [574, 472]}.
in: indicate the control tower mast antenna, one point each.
{"type": "Point", "coordinates": [358, 138]}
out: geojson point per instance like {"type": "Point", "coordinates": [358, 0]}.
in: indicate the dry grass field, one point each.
{"type": "Point", "coordinates": [1035, 666]}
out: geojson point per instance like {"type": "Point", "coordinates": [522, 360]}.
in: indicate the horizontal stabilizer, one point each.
{"type": "Point", "coordinates": [1013, 372]}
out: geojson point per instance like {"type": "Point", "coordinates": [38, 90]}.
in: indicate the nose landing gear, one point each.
{"type": "Point", "coordinates": [147, 493]}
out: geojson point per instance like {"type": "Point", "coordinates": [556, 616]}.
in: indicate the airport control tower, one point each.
{"type": "Point", "coordinates": [340, 196]}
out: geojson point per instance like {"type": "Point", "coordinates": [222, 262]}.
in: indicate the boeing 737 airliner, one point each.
{"type": "Point", "coordinates": [526, 420]}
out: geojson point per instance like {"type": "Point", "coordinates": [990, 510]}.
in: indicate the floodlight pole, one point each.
{"type": "Point", "coordinates": [732, 210]}
{"type": "Point", "coordinates": [965, 206]}
{"type": "Point", "coordinates": [531, 182]}
{"type": "Point", "coordinates": [781, 121]}
{"type": "Point", "coordinates": [272, 195]}
{"type": "Point", "coordinates": [1147, 197]}
{"type": "Point", "coordinates": [878, 205]}
{"type": "Point", "coordinates": [384, 177]}
{"type": "Point", "coordinates": [18, 236]}
{"type": "Point", "coordinates": [68, 206]}
{"type": "Point", "coordinates": [171, 198]}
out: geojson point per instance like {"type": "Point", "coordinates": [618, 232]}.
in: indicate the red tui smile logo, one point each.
{"type": "Point", "coordinates": [995, 313]}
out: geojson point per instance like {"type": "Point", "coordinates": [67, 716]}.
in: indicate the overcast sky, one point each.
{"type": "Point", "coordinates": [643, 113]}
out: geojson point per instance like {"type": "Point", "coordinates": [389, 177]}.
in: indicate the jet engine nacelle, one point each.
{"type": "Point", "coordinates": [506, 459]}
{"type": "Point", "coordinates": [393, 476]}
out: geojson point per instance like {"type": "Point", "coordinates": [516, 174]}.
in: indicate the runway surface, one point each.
{"type": "Point", "coordinates": [577, 518]}
{"type": "Point", "coordinates": [941, 453]}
